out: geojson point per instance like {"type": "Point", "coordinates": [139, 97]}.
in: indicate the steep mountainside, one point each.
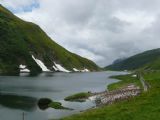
{"type": "Point", "coordinates": [146, 60]}
{"type": "Point", "coordinates": [25, 47]}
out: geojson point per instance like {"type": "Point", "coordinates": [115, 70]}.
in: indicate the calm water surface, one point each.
{"type": "Point", "coordinates": [19, 94]}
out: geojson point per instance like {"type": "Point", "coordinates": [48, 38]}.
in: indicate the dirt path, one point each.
{"type": "Point", "coordinates": [145, 85]}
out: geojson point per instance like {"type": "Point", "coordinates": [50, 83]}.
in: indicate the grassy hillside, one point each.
{"type": "Point", "coordinates": [20, 39]}
{"type": "Point", "coordinates": [138, 61]}
{"type": "Point", "coordinates": [143, 107]}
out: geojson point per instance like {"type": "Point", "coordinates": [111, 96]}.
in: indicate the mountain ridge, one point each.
{"type": "Point", "coordinates": [21, 40]}
{"type": "Point", "coordinates": [142, 60]}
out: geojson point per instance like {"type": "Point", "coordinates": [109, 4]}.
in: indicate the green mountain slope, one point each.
{"type": "Point", "coordinates": [147, 60]}
{"type": "Point", "coordinates": [20, 40]}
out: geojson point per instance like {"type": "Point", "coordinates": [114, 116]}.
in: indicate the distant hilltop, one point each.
{"type": "Point", "coordinates": [148, 60]}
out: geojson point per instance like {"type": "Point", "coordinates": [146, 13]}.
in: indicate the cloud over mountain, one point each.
{"type": "Point", "coordinates": [102, 30]}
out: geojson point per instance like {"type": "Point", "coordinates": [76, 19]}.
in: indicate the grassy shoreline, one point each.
{"type": "Point", "coordinates": [124, 81]}
{"type": "Point", "coordinates": [78, 97]}
{"type": "Point", "coordinates": [143, 107]}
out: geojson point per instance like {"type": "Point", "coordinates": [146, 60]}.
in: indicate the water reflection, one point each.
{"type": "Point", "coordinates": [46, 74]}
{"type": "Point", "coordinates": [18, 102]}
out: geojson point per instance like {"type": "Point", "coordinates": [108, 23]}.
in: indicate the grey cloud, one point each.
{"type": "Point", "coordinates": [95, 29]}
{"type": "Point", "coordinates": [112, 24]}
{"type": "Point", "coordinates": [78, 12]}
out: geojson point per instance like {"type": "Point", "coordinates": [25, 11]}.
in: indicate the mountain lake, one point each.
{"type": "Point", "coordinates": [19, 94]}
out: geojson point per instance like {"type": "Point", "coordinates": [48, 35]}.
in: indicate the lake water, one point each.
{"type": "Point", "coordinates": [19, 94]}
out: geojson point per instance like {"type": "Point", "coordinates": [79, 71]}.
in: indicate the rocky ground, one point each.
{"type": "Point", "coordinates": [109, 97]}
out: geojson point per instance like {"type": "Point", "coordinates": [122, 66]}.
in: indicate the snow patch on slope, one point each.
{"type": "Point", "coordinates": [58, 67]}
{"type": "Point", "coordinates": [41, 64]}
{"type": "Point", "coordinates": [55, 68]}
{"type": "Point", "coordinates": [23, 68]}
{"type": "Point", "coordinates": [85, 70]}
{"type": "Point", "coordinates": [76, 70]}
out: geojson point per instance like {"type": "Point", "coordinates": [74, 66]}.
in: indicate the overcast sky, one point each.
{"type": "Point", "coordinates": [101, 30]}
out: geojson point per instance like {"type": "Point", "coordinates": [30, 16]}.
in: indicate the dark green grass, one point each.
{"type": "Point", "coordinates": [56, 105]}
{"type": "Point", "coordinates": [143, 107]}
{"type": "Point", "coordinates": [79, 97]}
